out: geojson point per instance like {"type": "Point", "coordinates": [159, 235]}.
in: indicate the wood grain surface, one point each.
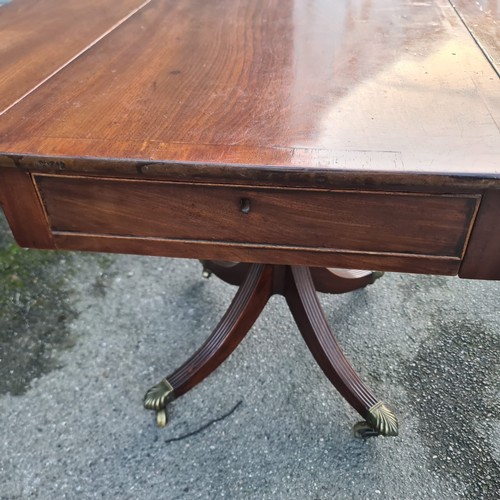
{"type": "Point", "coordinates": [482, 260]}
{"type": "Point", "coordinates": [23, 209]}
{"type": "Point", "coordinates": [309, 219]}
{"type": "Point", "coordinates": [482, 18]}
{"type": "Point", "coordinates": [362, 133]}
{"type": "Point", "coordinates": [371, 86]}
{"type": "Point", "coordinates": [39, 36]}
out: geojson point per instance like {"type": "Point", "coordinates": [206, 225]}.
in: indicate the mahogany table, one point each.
{"type": "Point", "coordinates": [292, 136]}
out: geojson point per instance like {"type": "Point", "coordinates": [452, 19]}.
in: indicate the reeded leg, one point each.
{"type": "Point", "coordinates": [302, 299]}
{"type": "Point", "coordinates": [245, 308]}
{"type": "Point", "coordinates": [329, 281]}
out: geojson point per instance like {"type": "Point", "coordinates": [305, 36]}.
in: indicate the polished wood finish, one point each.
{"type": "Point", "coordinates": [242, 313]}
{"type": "Point", "coordinates": [39, 37]}
{"type": "Point", "coordinates": [370, 148]}
{"type": "Point", "coordinates": [390, 88]}
{"type": "Point", "coordinates": [482, 260]}
{"type": "Point", "coordinates": [250, 253]}
{"type": "Point", "coordinates": [260, 283]}
{"type": "Point", "coordinates": [306, 309]}
{"type": "Point", "coordinates": [482, 18]}
{"type": "Point", "coordinates": [23, 209]}
{"type": "Point", "coordinates": [363, 222]}
{"type": "Point", "coordinates": [326, 281]}
{"type": "Point", "coordinates": [357, 134]}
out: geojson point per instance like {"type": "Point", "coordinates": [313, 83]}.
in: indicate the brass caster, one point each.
{"type": "Point", "coordinates": [157, 398]}
{"type": "Point", "coordinates": [161, 418]}
{"type": "Point", "coordinates": [381, 420]}
{"type": "Point", "coordinates": [207, 272]}
{"type": "Point", "coordinates": [364, 430]}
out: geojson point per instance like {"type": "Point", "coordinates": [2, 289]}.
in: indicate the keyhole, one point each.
{"type": "Point", "coordinates": [245, 205]}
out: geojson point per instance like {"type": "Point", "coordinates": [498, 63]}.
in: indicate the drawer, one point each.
{"type": "Point", "coordinates": [380, 222]}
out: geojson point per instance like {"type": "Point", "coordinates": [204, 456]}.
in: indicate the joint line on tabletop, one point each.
{"type": "Point", "coordinates": [76, 56]}
{"type": "Point", "coordinates": [476, 40]}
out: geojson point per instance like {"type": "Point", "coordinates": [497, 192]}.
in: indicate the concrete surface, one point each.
{"type": "Point", "coordinates": [82, 336]}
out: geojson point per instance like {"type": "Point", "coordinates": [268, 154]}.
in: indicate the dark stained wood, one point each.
{"type": "Point", "coordinates": [233, 273]}
{"type": "Point", "coordinates": [398, 98]}
{"type": "Point", "coordinates": [260, 283]}
{"type": "Point", "coordinates": [254, 253]}
{"type": "Point", "coordinates": [272, 175]}
{"type": "Point", "coordinates": [482, 259]}
{"type": "Point", "coordinates": [39, 36]}
{"type": "Point", "coordinates": [482, 18]}
{"type": "Point", "coordinates": [326, 281]}
{"type": "Point", "coordinates": [394, 86]}
{"type": "Point", "coordinates": [242, 313]}
{"type": "Point", "coordinates": [23, 209]}
{"type": "Point", "coordinates": [308, 314]}
{"type": "Point", "coordinates": [354, 134]}
{"type": "Point", "coordinates": [328, 220]}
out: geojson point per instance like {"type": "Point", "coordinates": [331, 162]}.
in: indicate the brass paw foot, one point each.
{"type": "Point", "coordinates": [379, 421]}
{"type": "Point", "coordinates": [157, 398]}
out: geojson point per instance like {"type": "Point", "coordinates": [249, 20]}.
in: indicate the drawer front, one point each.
{"type": "Point", "coordinates": [434, 225]}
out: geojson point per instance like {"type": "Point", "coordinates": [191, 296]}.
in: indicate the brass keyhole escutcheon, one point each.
{"type": "Point", "coordinates": [245, 205]}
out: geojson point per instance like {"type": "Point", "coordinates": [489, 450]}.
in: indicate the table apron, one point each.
{"type": "Point", "coordinates": [420, 232]}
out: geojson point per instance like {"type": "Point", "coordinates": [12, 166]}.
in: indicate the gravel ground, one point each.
{"type": "Point", "coordinates": [82, 336]}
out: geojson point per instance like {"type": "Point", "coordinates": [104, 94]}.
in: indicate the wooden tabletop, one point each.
{"type": "Point", "coordinates": [399, 86]}
{"type": "Point", "coordinates": [351, 133]}
{"type": "Point", "coordinates": [39, 37]}
{"type": "Point", "coordinates": [482, 19]}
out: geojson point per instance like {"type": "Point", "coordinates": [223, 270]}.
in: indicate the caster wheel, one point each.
{"type": "Point", "coordinates": [363, 430]}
